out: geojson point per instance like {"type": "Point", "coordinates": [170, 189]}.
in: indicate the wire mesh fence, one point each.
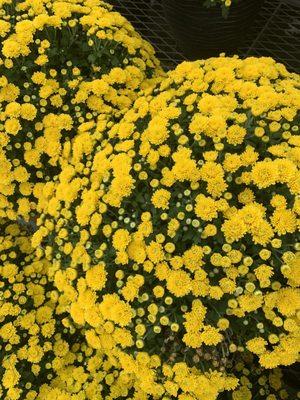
{"type": "Point", "coordinates": [276, 31]}
{"type": "Point", "coordinates": [278, 34]}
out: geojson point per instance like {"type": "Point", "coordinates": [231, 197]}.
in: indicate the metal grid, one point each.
{"type": "Point", "coordinates": [277, 31]}
{"type": "Point", "coordinates": [278, 27]}
{"type": "Point", "coordinates": [148, 18]}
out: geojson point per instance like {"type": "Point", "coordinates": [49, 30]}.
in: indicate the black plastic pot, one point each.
{"type": "Point", "coordinates": [204, 32]}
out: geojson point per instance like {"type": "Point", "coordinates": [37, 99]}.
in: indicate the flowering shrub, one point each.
{"type": "Point", "coordinates": [173, 236]}
{"type": "Point", "coordinates": [34, 341]}
{"type": "Point", "coordinates": [65, 67]}
{"type": "Point", "coordinates": [224, 3]}
{"type": "Point", "coordinates": [42, 355]}
{"type": "Point", "coordinates": [149, 223]}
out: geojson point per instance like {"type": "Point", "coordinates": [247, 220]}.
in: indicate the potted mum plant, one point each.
{"type": "Point", "coordinates": [204, 28]}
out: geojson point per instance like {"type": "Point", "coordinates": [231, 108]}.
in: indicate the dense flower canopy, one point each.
{"type": "Point", "coordinates": [34, 339]}
{"type": "Point", "coordinates": [178, 229]}
{"type": "Point", "coordinates": [149, 221]}
{"type": "Point", "coordinates": [65, 67]}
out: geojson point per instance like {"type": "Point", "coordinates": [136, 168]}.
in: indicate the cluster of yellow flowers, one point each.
{"type": "Point", "coordinates": [62, 65]}
{"type": "Point", "coordinates": [149, 222]}
{"type": "Point", "coordinates": [180, 228]}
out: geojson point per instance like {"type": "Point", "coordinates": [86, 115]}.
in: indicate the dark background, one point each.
{"type": "Point", "coordinates": [276, 31]}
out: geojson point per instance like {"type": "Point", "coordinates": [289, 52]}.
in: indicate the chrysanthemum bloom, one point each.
{"type": "Point", "coordinates": [66, 68]}
{"type": "Point", "coordinates": [191, 207]}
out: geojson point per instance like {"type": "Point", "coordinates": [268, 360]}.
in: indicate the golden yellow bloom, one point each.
{"type": "Point", "coordinates": [160, 199]}
{"type": "Point", "coordinates": [179, 283]}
